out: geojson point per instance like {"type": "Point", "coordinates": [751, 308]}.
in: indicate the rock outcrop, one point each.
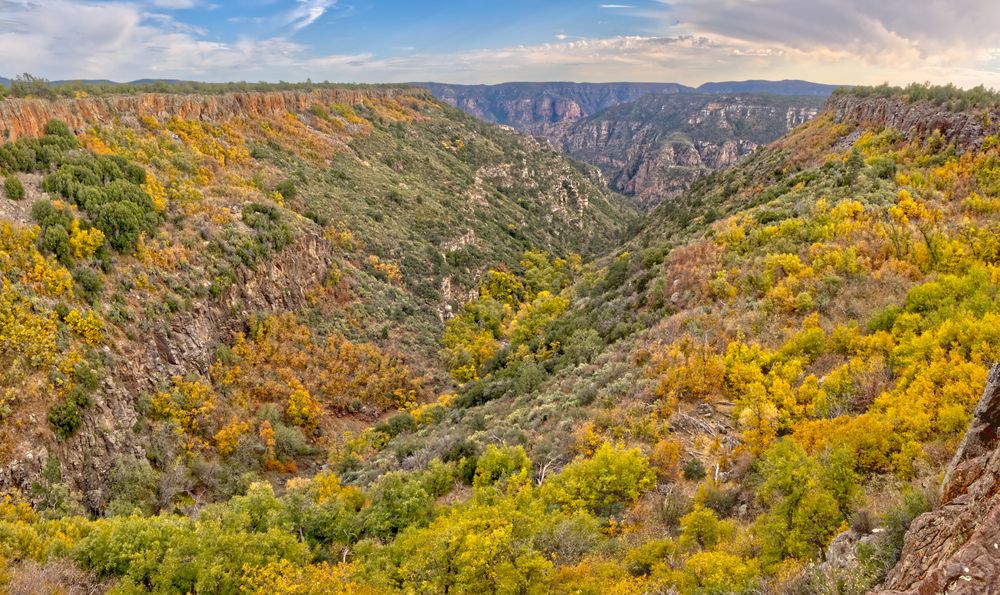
{"type": "Point", "coordinates": [654, 148]}
{"type": "Point", "coordinates": [27, 117]}
{"type": "Point", "coordinates": [955, 549]}
{"type": "Point", "coordinates": [534, 107]}
{"type": "Point", "coordinates": [915, 120]}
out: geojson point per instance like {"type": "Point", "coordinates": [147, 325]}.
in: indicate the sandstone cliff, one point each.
{"type": "Point", "coordinates": [533, 107]}
{"type": "Point", "coordinates": [956, 548]}
{"type": "Point", "coordinates": [27, 117]}
{"type": "Point", "coordinates": [655, 147]}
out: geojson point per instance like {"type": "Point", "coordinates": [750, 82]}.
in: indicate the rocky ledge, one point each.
{"type": "Point", "coordinates": [915, 120]}
{"type": "Point", "coordinates": [955, 549]}
{"type": "Point", "coordinates": [27, 117]}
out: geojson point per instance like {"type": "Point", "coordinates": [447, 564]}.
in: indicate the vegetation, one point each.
{"type": "Point", "coordinates": [791, 349]}
{"type": "Point", "coordinates": [944, 95]}
{"type": "Point", "coordinates": [28, 85]}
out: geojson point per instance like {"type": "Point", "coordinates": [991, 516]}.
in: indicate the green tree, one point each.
{"type": "Point", "coordinates": [398, 501]}
{"type": "Point", "coordinates": [13, 187]}
{"type": "Point", "coordinates": [605, 484]}
{"type": "Point", "coordinates": [122, 224]}
{"type": "Point", "coordinates": [498, 463]}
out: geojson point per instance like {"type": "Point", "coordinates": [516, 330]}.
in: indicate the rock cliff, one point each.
{"type": "Point", "coordinates": [27, 117]}
{"type": "Point", "coordinates": [956, 548]}
{"type": "Point", "coordinates": [966, 128]}
{"type": "Point", "coordinates": [534, 107]}
{"type": "Point", "coordinates": [655, 147]}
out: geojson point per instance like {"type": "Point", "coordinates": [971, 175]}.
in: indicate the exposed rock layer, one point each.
{"type": "Point", "coordinates": [27, 117]}
{"type": "Point", "coordinates": [955, 549]}
{"type": "Point", "coordinates": [967, 128]}
{"type": "Point", "coordinates": [655, 147]}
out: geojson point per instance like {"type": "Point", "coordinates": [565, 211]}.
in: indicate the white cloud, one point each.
{"type": "Point", "coordinates": [176, 4]}
{"type": "Point", "coordinates": [690, 41]}
{"type": "Point", "coordinates": [76, 39]}
{"type": "Point", "coordinates": [306, 13]}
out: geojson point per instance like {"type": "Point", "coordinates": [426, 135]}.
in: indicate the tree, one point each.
{"type": "Point", "coordinates": [27, 85]}
{"type": "Point", "coordinates": [501, 463]}
{"type": "Point", "coordinates": [398, 501]}
{"type": "Point", "coordinates": [122, 224]}
{"type": "Point", "coordinates": [13, 187]}
{"type": "Point", "coordinates": [604, 485]}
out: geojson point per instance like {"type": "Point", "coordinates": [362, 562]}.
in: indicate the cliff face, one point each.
{"type": "Point", "coordinates": [655, 147]}
{"type": "Point", "coordinates": [27, 117]}
{"type": "Point", "coordinates": [534, 107]}
{"type": "Point", "coordinates": [956, 548]}
{"type": "Point", "coordinates": [966, 129]}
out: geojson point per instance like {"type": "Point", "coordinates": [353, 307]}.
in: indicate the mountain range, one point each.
{"type": "Point", "coordinates": [531, 107]}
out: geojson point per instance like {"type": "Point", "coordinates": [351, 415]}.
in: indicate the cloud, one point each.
{"type": "Point", "coordinates": [687, 41]}
{"type": "Point", "coordinates": [906, 33]}
{"type": "Point", "coordinates": [614, 6]}
{"type": "Point", "coordinates": [306, 13]}
{"type": "Point", "coordinates": [78, 39]}
{"type": "Point", "coordinates": [176, 4]}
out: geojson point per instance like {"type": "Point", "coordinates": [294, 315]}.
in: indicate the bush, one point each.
{"type": "Point", "coordinates": [88, 280]}
{"type": "Point", "coordinates": [133, 484]}
{"type": "Point", "coordinates": [46, 215]}
{"type": "Point", "coordinates": [604, 485]}
{"type": "Point", "coordinates": [500, 463]}
{"type": "Point", "coordinates": [58, 128]}
{"type": "Point", "coordinates": [65, 418]}
{"type": "Point", "coordinates": [122, 224]}
{"type": "Point", "coordinates": [56, 240]}
{"type": "Point", "coordinates": [398, 501]}
{"type": "Point", "coordinates": [86, 377]}
{"type": "Point", "coordinates": [13, 187]}
{"type": "Point", "coordinates": [287, 189]}
{"type": "Point", "coordinates": [397, 424]}
{"type": "Point", "coordinates": [694, 470]}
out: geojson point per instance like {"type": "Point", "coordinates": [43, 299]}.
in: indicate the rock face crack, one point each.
{"type": "Point", "coordinates": [956, 548]}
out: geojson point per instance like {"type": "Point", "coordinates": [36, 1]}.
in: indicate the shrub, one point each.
{"type": "Point", "coordinates": [398, 501]}
{"type": "Point", "coordinates": [122, 224]}
{"type": "Point", "coordinates": [604, 485]}
{"type": "Point", "coordinates": [46, 215]}
{"type": "Point", "coordinates": [694, 470]}
{"type": "Point", "coordinates": [56, 240]}
{"type": "Point", "coordinates": [58, 128]}
{"type": "Point", "coordinates": [65, 418]}
{"type": "Point", "coordinates": [88, 280]}
{"type": "Point", "coordinates": [133, 484]}
{"type": "Point", "coordinates": [498, 463]}
{"type": "Point", "coordinates": [13, 187]}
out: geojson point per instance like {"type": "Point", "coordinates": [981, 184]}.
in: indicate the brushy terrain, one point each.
{"type": "Point", "coordinates": [788, 352]}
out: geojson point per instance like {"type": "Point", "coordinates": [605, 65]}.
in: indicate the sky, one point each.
{"type": "Point", "coordinates": [492, 41]}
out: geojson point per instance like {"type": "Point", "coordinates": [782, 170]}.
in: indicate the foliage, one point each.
{"type": "Point", "coordinates": [13, 187]}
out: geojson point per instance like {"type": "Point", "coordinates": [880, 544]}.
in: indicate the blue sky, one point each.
{"type": "Point", "coordinates": [687, 41]}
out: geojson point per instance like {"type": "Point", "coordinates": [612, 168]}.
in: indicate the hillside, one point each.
{"type": "Point", "coordinates": [653, 148]}
{"type": "Point", "coordinates": [758, 391]}
{"type": "Point", "coordinates": [166, 245]}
